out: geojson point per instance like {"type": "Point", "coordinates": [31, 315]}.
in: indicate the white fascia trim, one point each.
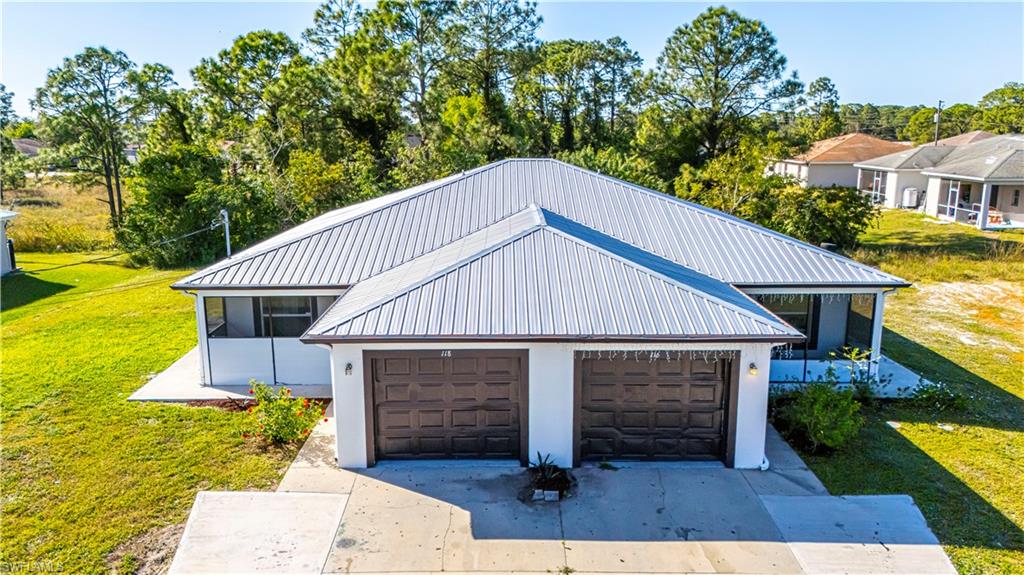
{"type": "Point", "coordinates": [266, 292]}
{"type": "Point", "coordinates": [813, 290]}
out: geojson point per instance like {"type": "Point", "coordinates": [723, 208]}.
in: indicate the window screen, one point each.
{"type": "Point", "coordinates": [860, 321]}
{"type": "Point", "coordinates": [798, 310]}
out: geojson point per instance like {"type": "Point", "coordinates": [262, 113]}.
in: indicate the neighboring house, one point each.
{"type": "Point", "coordinates": [965, 138]}
{"type": "Point", "coordinates": [830, 162]}
{"type": "Point", "coordinates": [978, 183]}
{"type": "Point", "coordinates": [29, 147]}
{"type": "Point", "coordinates": [532, 306]}
{"type": "Point", "coordinates": [7, 261]}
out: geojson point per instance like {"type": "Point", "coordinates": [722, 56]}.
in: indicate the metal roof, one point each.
{"type": "Point", "coordinates": [539, 275]}
{"type": "Point", "coordinates": [347, 246]}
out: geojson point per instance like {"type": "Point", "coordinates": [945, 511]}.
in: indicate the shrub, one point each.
{"type": "Point", "coordinates": [816, 215]}
{"type": "Point", "coordinates": [938, 396]}
{"type": "Point", "coordinates": [819, 417]}
{"type": "Point", "coordinates": [545, 475]}
{"type": "Point", "coordinates": [279, 417]}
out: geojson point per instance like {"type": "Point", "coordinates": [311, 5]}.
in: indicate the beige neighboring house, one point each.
{"type": "Point", "coordinates": [831, 162]}
{"type": "Point", "coordinates": [975, 178]}
{"type": "Point", "coordinates": [7, 264]}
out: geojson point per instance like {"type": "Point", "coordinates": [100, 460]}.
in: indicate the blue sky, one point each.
{"type": "Point", "coordinates": [885, 53]}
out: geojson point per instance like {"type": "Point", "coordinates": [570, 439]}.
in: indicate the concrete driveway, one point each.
{"type": "Point", "coordinates": [430, 518]}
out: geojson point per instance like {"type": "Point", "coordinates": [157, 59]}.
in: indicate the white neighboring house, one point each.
{"type": "Point", "coordinates": [979, 182]}
{"type": "Point", "coordinates": [532, 306]}
{"type": "Point", "coordinates": [831, 162]}
{"type": "Point", "coordinates": [7, 263]}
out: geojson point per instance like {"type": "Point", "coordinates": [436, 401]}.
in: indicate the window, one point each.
{"type": "Point", "coordinates": [276, 316]}
{"type": "Point", "coordinates": [216, 326]}
{"type": "Point", "coordinates": [860, 321]}
{"type": "Point", "coordinates": [1016, 198]}
{"type": "Point", "coordinates": [798, 310]}
{"type": "Point", "coordinates": [286, 316]}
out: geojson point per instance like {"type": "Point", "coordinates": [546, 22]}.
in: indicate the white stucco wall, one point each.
{"type": "Point", "coordinates": [931, 204]}
{"type": "Point", "coordinates": [825, 175]}
{"type": "Point", "coordinates": [900, 181]}
{"type": "Point", "coordinates": [551, 402]}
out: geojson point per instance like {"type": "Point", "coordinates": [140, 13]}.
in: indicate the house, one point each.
{"type": "Point", "coordinates": [830, 162]}
{"type": "Point", "coordinates": [7, 261]}
{"type": "Point", "coordinates": [532, 306]}
{"type": "Point", "coordinates": [978, 182]}
{"type": "Point", "coordinates": [29, 147]}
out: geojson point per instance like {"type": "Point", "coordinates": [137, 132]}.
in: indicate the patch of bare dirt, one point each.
{"type": "Point", "coordinates": [147, 554]}
{"type": "Point", "coordinates": [994, 306]}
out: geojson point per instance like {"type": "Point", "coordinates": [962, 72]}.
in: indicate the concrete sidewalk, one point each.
{"type": "Point", "coordinates": [182, 381]}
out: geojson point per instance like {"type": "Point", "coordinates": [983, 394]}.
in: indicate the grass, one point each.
{"type": "Point", "coordinates": [56, 216]}
{"type": "Point", "coordinates": [963, 324]}
{"type": "Point", "coordinates": [84, 470]}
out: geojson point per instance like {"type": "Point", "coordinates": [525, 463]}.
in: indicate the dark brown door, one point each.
{"type": "Point", "coordinates": [655, 410]}
{"type": "Point", "coordinates": [448, 404]}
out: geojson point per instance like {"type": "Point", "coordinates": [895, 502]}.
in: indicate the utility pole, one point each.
{"type": "Point", "coordinates": [938, 117]}
{"type": "Point", "coordinates": [227, 231]}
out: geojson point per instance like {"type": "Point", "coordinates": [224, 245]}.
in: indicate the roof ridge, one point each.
{"type": "Point", "coordinates": [734, 220]}
{"type": "Point", "coordinates": [767, 319]}
{"type": "Point", "coordinates": [651, 271]}
{"type": "Point", "coordinates": [433, 185]}
{"type": "Point", "coordinates": [455, 263]}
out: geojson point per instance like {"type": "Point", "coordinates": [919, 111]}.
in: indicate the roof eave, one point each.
{"type": "Point", "coordinates": [709, 338]}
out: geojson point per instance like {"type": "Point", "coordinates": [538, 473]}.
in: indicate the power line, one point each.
{"type": "Point", "coordinates": [212, 226]}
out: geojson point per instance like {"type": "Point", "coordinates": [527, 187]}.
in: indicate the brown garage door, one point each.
{"type": "Point", "coordinates": [660, 410]}
{"type": "Point", "coordinates": [447, 404]}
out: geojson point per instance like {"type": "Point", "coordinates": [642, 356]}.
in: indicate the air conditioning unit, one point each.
{"type": "Point", "coordinates": [911, 196]}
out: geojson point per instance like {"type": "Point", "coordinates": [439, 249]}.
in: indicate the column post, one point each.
{"type": "Point", "coordinates": [986, 193]}
{"type": "Point", "coordinates": [876, 331]}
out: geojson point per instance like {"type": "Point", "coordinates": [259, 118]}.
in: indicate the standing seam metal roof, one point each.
{"type": "Point", "coordinates": [538, 275]}
{"type": "Point", "coordinates": [347, 246]}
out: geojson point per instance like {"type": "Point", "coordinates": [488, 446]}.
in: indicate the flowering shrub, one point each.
{"type": "Point", "coordinates": [279, 417]}
{"type": "Point", "coordinates": [938, 396]}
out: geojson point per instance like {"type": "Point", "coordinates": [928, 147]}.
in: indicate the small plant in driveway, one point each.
{"type": "Point", "coordinates": [549, 478]}
{"type": "Point", "coordinates": [279, 417]}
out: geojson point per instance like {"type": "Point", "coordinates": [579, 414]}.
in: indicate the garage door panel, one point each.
{"type": "Point", "coordinates": [664, 410]}
{"type": "Point", "coordinates": [429, 366]}
{"type": "Point", "coordinates": [705, 393]}
{"type": "Point", "coordinates": [429, 406]}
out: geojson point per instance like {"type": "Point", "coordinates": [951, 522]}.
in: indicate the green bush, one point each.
{"type": "Point", "coordinates": [278, 417]}
{"type": "Point", "coordinates": [819, 417]}
{"type": "Point", "coordinates": [938, 396]}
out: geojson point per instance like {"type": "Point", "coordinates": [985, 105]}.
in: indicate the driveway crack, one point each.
{"type": "Point", "coordinates": [561, 531]}
{"type": "Point", "coordinates": [444, 538]}
{"type": "Point", "coordinates": [679, 530]}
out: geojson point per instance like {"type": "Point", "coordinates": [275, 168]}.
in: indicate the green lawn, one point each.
{"type": "Point", "coordinates": [84, 470]}
{"type": "Point", "coordinates": [962, 323]}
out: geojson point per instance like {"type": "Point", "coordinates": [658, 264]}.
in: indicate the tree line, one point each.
{"type": "Point", "coordinates": [279, 129]}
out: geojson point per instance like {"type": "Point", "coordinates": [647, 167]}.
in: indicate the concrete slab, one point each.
{"type": "Point", "coordinates": [858, 534]}
{"type": "Point", "coordinates": [787, 473]}
{"type": "Point", "coordinates": [183, 382]}
{"type": "Point", "coordinates": [671, 520]}
{"type": "Point", "coordinates": [258, 532]}
{"type": "Point", "coordinates": [389, 528]}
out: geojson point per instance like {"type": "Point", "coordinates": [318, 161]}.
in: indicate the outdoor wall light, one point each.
{"type": "Point", "coordinates": [348, 368]}
{"type": "Point", "coordinates": [752, 370]}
